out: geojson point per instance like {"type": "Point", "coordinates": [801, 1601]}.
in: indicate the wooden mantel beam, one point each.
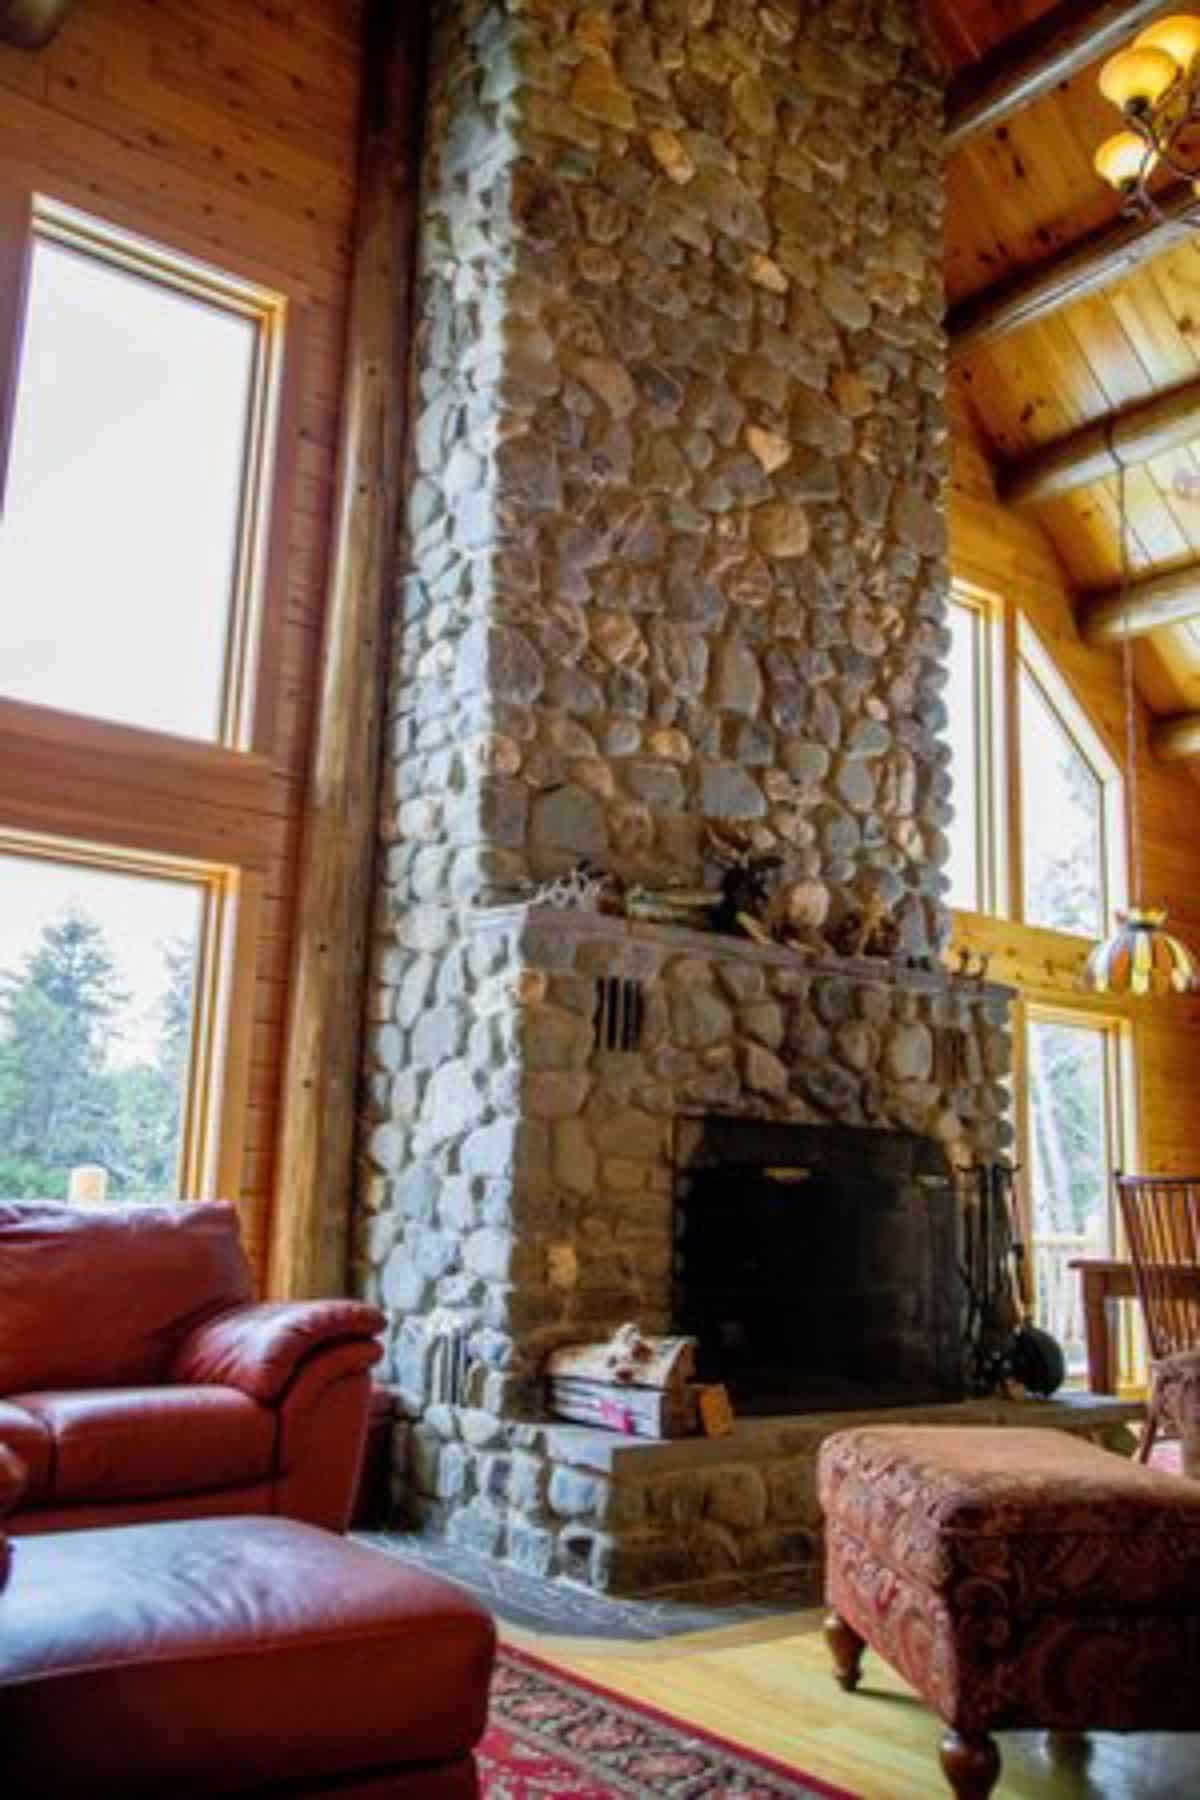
{"type": "Point", "coordinates": [1093, 262]}
{"type": "Point", "coordinates": [31, 24]}
{"type": "Point", "coordinates": [1178, 739]}
{"type": "Point", "coordinates": [1097, 451]}
{"type": "Point", "coordinates": [309, 1226]}
{"type": "Point", "coordinates": [1167, 599]}
{"type": "Point", "coordinates": [1033, 61]}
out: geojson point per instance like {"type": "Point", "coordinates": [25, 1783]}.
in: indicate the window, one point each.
{"type": "Point", "coordinates": [142, 526]}
{"type": "Point", "coordinates": [98, 981]}
{"type": "Point", "coordinates": [1070, 804]}
{"type": "Point", "coordinates": [130, 534]}
{"type": "Point", "coordinates": [976, 835]}
{"type": "Point", "coordinates": [1076, 1136]}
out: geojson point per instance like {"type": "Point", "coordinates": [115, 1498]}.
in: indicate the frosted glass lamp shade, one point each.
{"type": "Point", "coordinates": [1135, 79]}
{"type": "Point", "coordinates": [1121, 159]}
{"type": "Point", "coordinates": [1178, 35]}
{"type": "Point", "coordinates": [1141, 957]}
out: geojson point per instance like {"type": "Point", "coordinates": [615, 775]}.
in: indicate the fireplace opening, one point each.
{"type": "Point", "coordinates": [818, 1266]}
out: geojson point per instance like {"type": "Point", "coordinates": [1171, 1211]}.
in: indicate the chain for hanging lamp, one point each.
{"type": "Point", "coordinates": [1140, 956]}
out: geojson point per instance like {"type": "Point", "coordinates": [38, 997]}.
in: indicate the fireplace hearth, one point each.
{"type": "Point", "coordinates": [818, 1266]}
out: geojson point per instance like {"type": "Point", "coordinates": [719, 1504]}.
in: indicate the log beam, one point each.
{"type": "Point", "coordinates": [1093, 262]}
{"type": "Point", "coordinates": [1098, 451]}
{"type": "Point", "coordinates": [314, 1171]}
{"type": "Point", "coordinates": [31, 24]}
{"type": "Point", "coordinates": [1039, 58]}
{"type": "Point", "coordinates": [1178, 739]}
{"type": "Point", "coordinates": [1167, 599]}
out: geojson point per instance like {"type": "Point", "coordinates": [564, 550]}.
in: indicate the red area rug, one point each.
{"type": "Point", "coordinates": [553, 1736]}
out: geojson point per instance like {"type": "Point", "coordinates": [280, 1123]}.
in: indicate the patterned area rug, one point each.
{"type": "Point", "coordinates": [553, 1736]}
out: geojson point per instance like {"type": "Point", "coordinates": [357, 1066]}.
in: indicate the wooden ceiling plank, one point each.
{"type": "Point", "coordinates": [1169, 598]}
{"type": "Point", "coordinates": [1038, 59]}
{"type": "Point", "coordinates": [1092, 263]}
{"type": "Point", "coordinates": [1019, 194]}
{"type": "Point", "coordinates": [1134, 435]}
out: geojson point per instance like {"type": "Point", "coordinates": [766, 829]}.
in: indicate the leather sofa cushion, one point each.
{"type": "Point", "coordinates": [95, 1297]}
{"type": "Point", "coordinates": [135, 1443]}
{"type": "Point", "coordinates": [29, 1439]}
{"type": "Point", "coordinates": [230, 1655]}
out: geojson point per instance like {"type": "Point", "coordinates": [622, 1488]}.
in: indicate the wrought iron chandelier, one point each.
{"type": "Point", "coordinates": [1140, 956]}
{"type": "Point", "coordinates": [1155, 84]}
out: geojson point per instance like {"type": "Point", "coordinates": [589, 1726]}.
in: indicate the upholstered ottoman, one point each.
{"type": "Point", "coordinates": [1014, 1578]}
{"type": "Point", "coordinates": [235, 1657]}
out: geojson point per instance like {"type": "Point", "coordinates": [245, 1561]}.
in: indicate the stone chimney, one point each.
{"type": "Point", "coordinates": [675, 556]}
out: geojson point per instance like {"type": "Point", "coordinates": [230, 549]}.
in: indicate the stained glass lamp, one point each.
{"type": "Point", "coordinates": [1141, 957]}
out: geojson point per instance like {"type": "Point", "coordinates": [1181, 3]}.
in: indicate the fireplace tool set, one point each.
{"type": "Point", "coordinates": [1003, 1346]}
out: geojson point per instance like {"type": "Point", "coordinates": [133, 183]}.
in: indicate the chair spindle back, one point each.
{"type": "Point", "coordinates": [1162, 1224]}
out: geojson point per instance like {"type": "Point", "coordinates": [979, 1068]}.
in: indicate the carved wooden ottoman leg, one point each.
{"type": "Point", "coordinates": [846, 1648]}
{"type": "Point", "coordinates": [970, 1764]}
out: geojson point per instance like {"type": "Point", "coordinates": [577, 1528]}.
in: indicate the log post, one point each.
{"type": "Point", "coordinates": [1039, 58]}
{"type": "Point", "coordinates": [1177, 739]}
{"type": "Point", "coordinates": [1097, 451]}
{"type": "Point", "coordinates": [1092, 263]}
{"type": "Point", "coordinates": [1170, 598]}
{"type": "Point", "coordinates": [314, 1169]}
{"type": "Point", "coordinates": [31, 24]}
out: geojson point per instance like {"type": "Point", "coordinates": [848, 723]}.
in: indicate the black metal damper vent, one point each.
{"type": "Point", "coordinates": [620, 1010]}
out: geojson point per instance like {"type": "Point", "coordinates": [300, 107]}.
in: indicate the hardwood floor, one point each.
{"type": "Point", "coordinates": [768, 1685]}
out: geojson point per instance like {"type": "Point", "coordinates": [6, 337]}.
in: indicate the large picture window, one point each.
{"type": "Point", "coordinates": [99, 980]}
{"type": "Point", "coordinates": [132, 520]}
{"type": "Point", "coordinates": [141, 537]}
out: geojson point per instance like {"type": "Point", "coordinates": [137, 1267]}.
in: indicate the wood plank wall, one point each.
{"type": "Point", "coordinates": [229, 128]}
{"type": "Point", "coordinates": [1006, 553]}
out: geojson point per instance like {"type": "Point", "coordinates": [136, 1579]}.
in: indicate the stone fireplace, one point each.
{"type": "Point", "coordinates": [675, 557]}
{"type": "Point", "coordinates": [818, 1267]}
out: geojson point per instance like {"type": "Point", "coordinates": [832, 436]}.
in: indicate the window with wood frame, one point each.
{"type": "Point", "coordinates": [974, 704]}
{"type": "Point", "coordinates": [1077, 1128]}
{"type": "Point", "coordinates": [146, 400]}
{"type": "Point", "coordinates": [1072, 800]}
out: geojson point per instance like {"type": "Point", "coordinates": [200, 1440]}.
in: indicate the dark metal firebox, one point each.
{"type": "Point", "coordinates": [818, 1266]}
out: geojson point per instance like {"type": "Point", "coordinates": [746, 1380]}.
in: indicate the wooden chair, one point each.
{"type": "Point", "coordinates": [1161, 1214]}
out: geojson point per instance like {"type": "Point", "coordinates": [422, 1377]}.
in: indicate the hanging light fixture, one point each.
{"type": "Point", "coordinates": [1140, 956]}
{"type": "Point", "coordinates": [1155, 85]}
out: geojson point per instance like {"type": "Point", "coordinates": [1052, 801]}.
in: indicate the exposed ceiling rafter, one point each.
{"type": "Point", "coordinates": [1177, 739]}
{"type": "Point", "coordinates": [31, 24]}
{"type": "Point", "coordinates": [1170, 598]}
{"type": "Point", "coordinates": [1132, 436]}
{"type": "Point", "coordinates": [1034, 61]}
{"type": "Point", "coordinates": [1092, 262]}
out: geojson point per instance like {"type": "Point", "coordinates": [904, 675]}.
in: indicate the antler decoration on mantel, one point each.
{"type": "Point", "coordinates": [31, 24]}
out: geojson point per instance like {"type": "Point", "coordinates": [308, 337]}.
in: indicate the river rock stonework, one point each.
{"type": "Point", "coordinates": [674, 557]}
{"type": "Point", "coordinates": [676, 534]}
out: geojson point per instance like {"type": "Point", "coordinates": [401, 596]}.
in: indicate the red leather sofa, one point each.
{"type": "Point", "coordinates": [139, 1379]}
{"type": "Point", "coordinates": [215, 1657]}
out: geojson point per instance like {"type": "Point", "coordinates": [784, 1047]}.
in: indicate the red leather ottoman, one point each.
{"type": "Point", "coordinates": [1014, 1578]}
{"type": "Point", "coordinates": [235, 1656]}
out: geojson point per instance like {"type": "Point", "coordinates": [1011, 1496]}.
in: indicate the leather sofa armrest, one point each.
{"type": "Point", "coordinates": [258, 1349]}
{"type": "Point", "coordinates": [12, 1480]}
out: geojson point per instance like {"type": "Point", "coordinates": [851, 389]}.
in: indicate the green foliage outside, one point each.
{"type": "Point", "coordinates": [64, 1098]}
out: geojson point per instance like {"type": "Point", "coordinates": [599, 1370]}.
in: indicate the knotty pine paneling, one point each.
{"type": "Point", "coordinates": [227, 127]}
{"type": "Point", "coordinates": [1006, 553]}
